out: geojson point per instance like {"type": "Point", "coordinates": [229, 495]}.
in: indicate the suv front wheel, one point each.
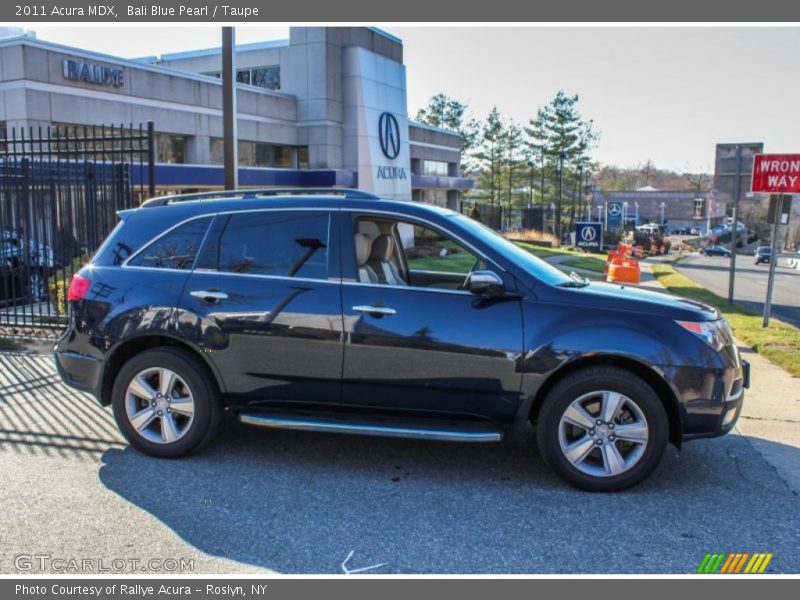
{"type": "Point", "coordinates": [602, 429]}
{"type": "Point", "coordinates": [165, 404]}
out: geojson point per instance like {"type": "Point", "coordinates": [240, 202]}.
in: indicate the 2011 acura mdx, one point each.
{"type": "Point", "coordinates": [334, 310]}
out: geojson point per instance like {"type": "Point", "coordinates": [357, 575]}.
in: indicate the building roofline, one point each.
{"type": "Point", "coordinates": [132, 63]}
{"type": "Point", "coordinates": [412, 123]}
{"type": "Point", "coordinates": [386, 34]}
{"type": "Point", "coordinates": [200, 52]}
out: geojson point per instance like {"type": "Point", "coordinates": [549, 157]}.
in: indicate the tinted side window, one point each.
{"type": "Point", "coordinates": [282, 243]}
{"type": "Point", "coordinates": [175, 250]}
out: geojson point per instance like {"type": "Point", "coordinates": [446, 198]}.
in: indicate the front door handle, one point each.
{"type": "Point", "coordinates": [375, 310]}
{"type": "Point", "coordinates": [209, 295]}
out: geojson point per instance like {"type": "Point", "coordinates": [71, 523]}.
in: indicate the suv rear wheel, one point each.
{"type": "Point", "coordinates": [165, 404]}
{"type": "Point", "coordinates": [602, 429]}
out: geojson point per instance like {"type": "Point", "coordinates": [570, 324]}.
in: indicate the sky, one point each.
{"type": "Point", "coordinates": [667, 94]}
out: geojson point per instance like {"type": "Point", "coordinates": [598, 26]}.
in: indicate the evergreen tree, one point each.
{"type": "Point", "coordinates": [491, 153]}
{"type": "Point", "coordinates": [565, 139]}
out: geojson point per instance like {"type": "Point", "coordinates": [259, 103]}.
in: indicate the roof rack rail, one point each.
{"type": "Point", "coordinates": [259, 193]}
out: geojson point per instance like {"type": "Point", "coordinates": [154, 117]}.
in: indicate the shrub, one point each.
{"type": "Point", "coordinates": [60, 279]}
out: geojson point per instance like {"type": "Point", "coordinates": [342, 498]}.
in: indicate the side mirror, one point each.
{"type": "Point", "coordinates": [485, 283]}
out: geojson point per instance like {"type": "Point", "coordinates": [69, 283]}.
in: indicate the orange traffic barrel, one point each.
{"type": "Point", "coordinates": [623, 272]}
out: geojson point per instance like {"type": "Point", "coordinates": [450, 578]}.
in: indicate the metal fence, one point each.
{"type": "Point", "coordinates": [60, 190]}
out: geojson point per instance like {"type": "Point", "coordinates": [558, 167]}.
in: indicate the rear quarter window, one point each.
{"type": "Point", "coordinates": [176, 249]}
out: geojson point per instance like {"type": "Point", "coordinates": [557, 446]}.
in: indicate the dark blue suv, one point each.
{"type": "Point", "coordinates": [333, 310]}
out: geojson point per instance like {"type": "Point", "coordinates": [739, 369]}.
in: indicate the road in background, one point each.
{"type": "Point", "coordinates": [751, 283]}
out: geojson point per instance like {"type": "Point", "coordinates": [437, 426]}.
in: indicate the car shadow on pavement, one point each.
{"type": "Point", "coordinates": [298, 502]}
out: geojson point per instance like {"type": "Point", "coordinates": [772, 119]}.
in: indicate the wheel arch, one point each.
{"type": "Point", "coordinates": [650, 376]}
{"type": "Point", "coordinates": [133, 346]}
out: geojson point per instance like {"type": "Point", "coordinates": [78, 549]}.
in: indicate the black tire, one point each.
{"type": "Point", "coordinates": [584, 382]}
{"type": "Point", "coordinates": [208, 409]}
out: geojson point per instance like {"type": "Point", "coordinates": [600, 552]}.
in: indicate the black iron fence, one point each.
{"type": "Point", "coordinates": [60, 190]}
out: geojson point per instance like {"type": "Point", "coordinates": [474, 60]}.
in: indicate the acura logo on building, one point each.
{"type": "Point", "coordinates": [614, 209]}
{"type": "Point", "coordinates": [389, 135]}
{"type": "Point", "coordinates": [588, 234]}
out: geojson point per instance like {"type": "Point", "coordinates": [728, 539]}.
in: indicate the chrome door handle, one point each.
{"type": "Point", "coordinates": [375, 310]}
{"type": "Point", "coordinates": [209, 295]}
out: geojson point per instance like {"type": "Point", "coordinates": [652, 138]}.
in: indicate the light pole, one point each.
{"type": "Point", "coordinates": [624, 214]}
{"type": "Point", "coordinates": [636, 223]}
{"type": "Point", "coordinates": [662, 206]}
{"type": "Point", "coordinates": [561, 156]}
{"type": "Point", "coordinates": [599, 213]}
{"type": "Point", "coordinates": [530, 202]}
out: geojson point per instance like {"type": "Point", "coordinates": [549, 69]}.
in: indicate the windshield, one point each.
{"type": "Point", "coordinates": [530, 263]}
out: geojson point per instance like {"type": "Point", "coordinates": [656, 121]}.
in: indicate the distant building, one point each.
{"type": "Point", "coordinates": [675, 209]}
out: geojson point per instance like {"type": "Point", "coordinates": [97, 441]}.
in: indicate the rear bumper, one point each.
{"type": "Point", "coordinates": [84, 373]}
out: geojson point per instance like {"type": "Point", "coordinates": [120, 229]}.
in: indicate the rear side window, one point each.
{"type": "Point", "coordinates": [176, 249]}
{"type": "Point", "coordinates": [278, 243]}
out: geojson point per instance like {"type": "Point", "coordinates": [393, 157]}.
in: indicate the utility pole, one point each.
{"type": "Point", "coordinates": [229, 136]}
{"type": "Point", "coordinates": [735, 229]}
{"type": "Point", "coordinates": [561, 157]}
{"type": "Point", "coordinates": [773, 259]}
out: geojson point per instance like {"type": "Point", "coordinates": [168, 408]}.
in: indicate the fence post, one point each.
{"type": "Point", "coordinates": [151, 159]}
{"type": "Point", "coordinates": [90, 207]}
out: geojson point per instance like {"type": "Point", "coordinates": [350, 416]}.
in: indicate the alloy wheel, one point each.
{"type": "Point", "coordinates": [603, 433]}
{"type": "Point", "coordinates": [159, 405]}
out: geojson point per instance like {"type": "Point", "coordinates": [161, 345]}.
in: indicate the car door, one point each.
{"type": "Point", "coordinates": [264, 302]}
{"type": "Point", "coordinates": [423, 344]}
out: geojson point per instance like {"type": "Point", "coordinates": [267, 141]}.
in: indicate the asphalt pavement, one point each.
{"type": "Point", "coordinates": [295, 502]}
{"type": "Point", "coordinates": [750, 284]}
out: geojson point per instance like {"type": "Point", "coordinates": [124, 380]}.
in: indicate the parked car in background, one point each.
{"type": "Point", "coordinates": [763, 254]}
{"type": "Point", "coordinates": [340, 312]}
{"type": "Point", "coordinates": [23, 271]}
{"type": "Point", "coordinates": [716, 251]}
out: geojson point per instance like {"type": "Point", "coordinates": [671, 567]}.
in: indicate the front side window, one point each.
{"type": "Point", "coordinates": [176, 249]}
{"type": "Point", "coordinates": [429, 250]}
{"type": "Point", "coordinates": [402, 253]}
{"type": "Point", "coordinates": [278, 243]}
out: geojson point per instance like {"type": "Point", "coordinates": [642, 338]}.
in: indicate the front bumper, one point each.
{"type": "Point", "coordinates": [718, 418]}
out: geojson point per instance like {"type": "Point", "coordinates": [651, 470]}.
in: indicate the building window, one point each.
{"type": "Point", "coordinates": [302, 157]}
{"type": "Point", "coordinates": [434, 167]}
{"type": "Point", "coordinates": [259, 154]}
{"type": "Point", "coordinates": [268, 78]}
{"type": "Point", "coordinates": [171, 149]}
{"type": "Point", "coordinates": [699, 208]}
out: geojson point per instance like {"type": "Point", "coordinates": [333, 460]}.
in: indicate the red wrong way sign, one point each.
{"type": "Point", "coordinates": [776, 174]}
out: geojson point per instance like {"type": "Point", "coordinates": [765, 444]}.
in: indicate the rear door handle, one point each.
{"type": "Point", "coordinates": [375, 310]}
{"type": "Point", "coordinates": [209, 295]}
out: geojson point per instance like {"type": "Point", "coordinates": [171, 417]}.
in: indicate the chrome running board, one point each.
{"type": "Point", "coordinates": [446, 435]}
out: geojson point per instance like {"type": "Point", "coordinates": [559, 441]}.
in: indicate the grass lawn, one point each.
{"type": "Point", "coordinates": [587, 263]}
{"type": "Point", "coordinates": [780, 342]}
{"type": "Point", "coordinates": [459, 262]}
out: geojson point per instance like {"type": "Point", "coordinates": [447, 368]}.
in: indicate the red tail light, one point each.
{"type": "Point", "coordinates": [78, 288]}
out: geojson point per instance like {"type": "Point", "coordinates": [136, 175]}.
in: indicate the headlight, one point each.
{"type": "Point", "coordinates": [714, 333]}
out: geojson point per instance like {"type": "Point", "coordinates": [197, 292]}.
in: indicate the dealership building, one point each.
{"type": "Point", "coordinates": [325, 108]}
{"type": "Point", "coordinates": [675, 209]}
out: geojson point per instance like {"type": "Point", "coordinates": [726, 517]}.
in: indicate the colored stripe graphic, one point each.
{"type": "Point", "coordinates": [734, 562]}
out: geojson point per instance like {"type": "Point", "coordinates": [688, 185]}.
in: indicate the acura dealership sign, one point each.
{"type": "Point", "coordinates": [389, 134]}
{"type": "Point", "coordinates": [589, 236]}
{"type": "Point", "coordinates": [93, 73]}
